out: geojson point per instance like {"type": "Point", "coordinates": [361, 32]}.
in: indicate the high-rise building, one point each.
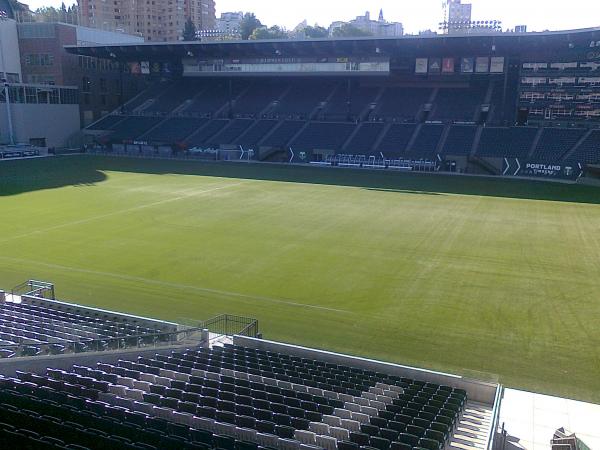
{"type": "Point", "coordinates": [202, 13]}
{"type": "Point", "coordinates": [379, 27]}
{"type": "Point", "coordinates": [230, 22]}
{"type": "Point", "coordinates": [459, 16]}
{"type": "Point", "coordinates": [154, 20]}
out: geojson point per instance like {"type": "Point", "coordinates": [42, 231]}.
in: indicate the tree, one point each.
{"type": "Point", "coordinates": [189, 30]}
{"type": "Point", "coordinates": [275, 32]}
{"type": "Point", "coordinates": [248, 24]}
{"type": "Point", "coordinates": [63, 14]}
{"type": "Point", "coordinates": [316, 32]}
{"type": "Point", "coordinates": [349, 30]}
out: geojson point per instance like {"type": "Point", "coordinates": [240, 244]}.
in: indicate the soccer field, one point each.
{"type": "Point", "coordinates": [486, 278]}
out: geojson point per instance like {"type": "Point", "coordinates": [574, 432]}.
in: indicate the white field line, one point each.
{"type": "Point", "coordinates": [167, 284]}
{"type": "Point", "coordinates": [121, 211]}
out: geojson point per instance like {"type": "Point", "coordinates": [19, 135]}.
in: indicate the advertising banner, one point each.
{"type": "Point", "coordinates": [536, 169]}
{"type": "Point", "coordinates": [467, 65]}
{"type": "Point", "coordinates": [145, 67]}
{"type": "Point", "coordinates": [435, 65]}
{"type": "Point", "coordinates": [421, 65]}
{"type": "Point", "coordinates": [497, 64]}
{"type": "Point", "coordinates": [482, 64]}
{"type": "Point", "coordinates": [448, 65]}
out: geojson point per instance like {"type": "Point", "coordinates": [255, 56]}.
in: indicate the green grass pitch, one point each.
{"type": "Point", "coordinates": [487, 278]}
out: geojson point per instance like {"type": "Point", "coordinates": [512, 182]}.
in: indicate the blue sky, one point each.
{"type": "Point", "coordinates": [416, 15]}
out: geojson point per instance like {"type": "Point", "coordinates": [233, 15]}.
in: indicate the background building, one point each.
{"type": "Point", "coordinates": [10, 65]}
{"type": "Point", "coordinates": [378, 28]}
{"type": "Point", "coordinates": [230, 22]}
{"type": "Point", "coordinates": [156, 20]}
{"type": "Point", "coordinates": [101, 82]}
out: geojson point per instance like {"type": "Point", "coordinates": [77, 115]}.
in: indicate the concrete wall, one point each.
{"type": "Point", "coordinates": [9, 48]}
{"type": "Point", "coordinates": [477, 391]}
{"type": "Point", "coordinates": [55, 123]}
{"type": "Point", "coordinates": [9, 367]}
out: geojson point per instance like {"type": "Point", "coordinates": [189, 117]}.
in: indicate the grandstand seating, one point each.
{"type": "Point", "coordinates": [459, 141]}
{"type": "Point", "coordinates": [426, 143]}
{"type": "Point", "coordinates": [174, 130]}
{"type": "Point", "coordinates": [402, 102]}
{"type": "Point", "coordinates": [272, 112]}
{"type": "Point", "coordinates": [149, 94]}
{"type": "Point", "coordinates": [589, 150]}
{"type": "Point", "coordinates": [396, 139]}
{"type": "Point", "coordinates": [364, 139]}
{"type": "Point", "coordinates": [301, 100]}
{"type": "Point", "coordinates": [203, 135]}
{"type": "Point", "coordinates": [324, 136]}
{"type": "Point", "coordinates": [257, 98]}
{"type": "Point", "coordinates": [556, 142]}
{"type": "Point", "coordinates": [283, 133]}
{"type": "Point", "coordinates": [230, 398]}
{"type": "Point", "coordinates": [106, 123]}
{"type": "Point", "coordinates": [133, 127]}
{"type": "Point", "coordinates": [256, 133]}
{"type": "Point", "coordinates": [506, 142]}
{"type": "Point", "coordinates": [231, 132]}
{"type": "Point", "coordinates": [171, 98]}
{"type": "Point", "coordinates": [212, 96]}
{"type": "Point", "coordinates": [458, 104]}
{"type": "Point", "coordinates": [338, 109]}
{"type": "Point", "coordinates": [31, 330]}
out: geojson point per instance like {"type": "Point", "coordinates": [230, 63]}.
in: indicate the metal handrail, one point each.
{"type": "Point", "coordinates": [496, 418]}
{"type": "Point", "coordinates": [223, 328]}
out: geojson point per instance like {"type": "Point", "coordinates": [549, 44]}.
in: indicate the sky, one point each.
{"type": "Point", "coordinates": [416, 15]}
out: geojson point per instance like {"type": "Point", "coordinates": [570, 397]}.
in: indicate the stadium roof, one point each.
{"type": "Point", "coordinates": [546, 44]}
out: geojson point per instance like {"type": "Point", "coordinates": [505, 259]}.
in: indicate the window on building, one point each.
{"type": "Point", "coordinates": [39, 59]}
{"type": "Point", "coordinates": [30, 95]}
{"type": "Point", "coordinates": [54, 97]}
{"type": "Point", "coordinates": [103, 84]}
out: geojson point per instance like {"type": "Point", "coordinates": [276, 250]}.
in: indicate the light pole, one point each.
{"type": "Point", "coordinates": [6, 86]}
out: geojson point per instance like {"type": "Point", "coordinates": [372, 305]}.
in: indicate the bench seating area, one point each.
{"type": "Point", "coordinates": [32, 330]}
{"type": "Point", "coordinates": [230, 398]}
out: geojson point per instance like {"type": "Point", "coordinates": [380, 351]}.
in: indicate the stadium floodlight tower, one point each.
{"type": "Point", "coordinates": [4, 17]}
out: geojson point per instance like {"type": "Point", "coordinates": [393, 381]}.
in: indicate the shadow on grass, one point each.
{"type": "Point", "coordinates": [22, 176]}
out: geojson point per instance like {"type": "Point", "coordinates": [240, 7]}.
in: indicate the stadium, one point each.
{"type": "Point", "coordinates": [341, 244]}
